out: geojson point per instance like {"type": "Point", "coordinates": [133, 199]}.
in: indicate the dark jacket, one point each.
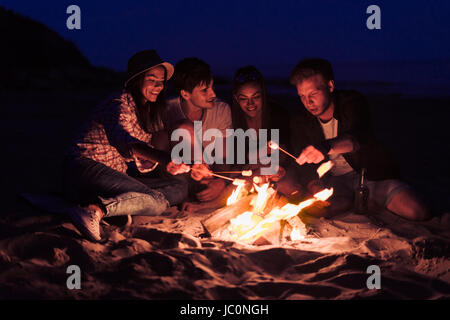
{"type": "Point", "coordinates": [279, 119]}
{"type": "Point", "coordinates": [352, 113]}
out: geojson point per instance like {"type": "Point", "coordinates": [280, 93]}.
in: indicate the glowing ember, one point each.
{"type": "Point", "coordinates": [324, 168]}
{"type": "Point", "coordinates": [296, 235]}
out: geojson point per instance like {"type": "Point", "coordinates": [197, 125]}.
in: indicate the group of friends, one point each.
{"type": "Point", "coordinates": [120, 162]}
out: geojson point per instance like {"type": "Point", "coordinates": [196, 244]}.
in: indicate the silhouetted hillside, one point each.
{"type": "Point", "coordinates": [34, 56]}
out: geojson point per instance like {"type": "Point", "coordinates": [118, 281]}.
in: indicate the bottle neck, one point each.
{"type": "Point", "coordinates": [363, 174]}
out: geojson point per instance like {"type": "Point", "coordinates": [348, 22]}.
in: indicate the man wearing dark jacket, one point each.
{"type": "Point", "coordinates": [336, 125]}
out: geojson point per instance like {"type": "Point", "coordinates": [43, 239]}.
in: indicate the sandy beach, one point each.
{"type": "Point", "coordinates": [169, 257]}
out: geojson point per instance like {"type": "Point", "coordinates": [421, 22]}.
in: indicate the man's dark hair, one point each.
{"type": "Point", "coordinates": [191, 72]}
{"type": "Point", "coordinates": [309, 67]}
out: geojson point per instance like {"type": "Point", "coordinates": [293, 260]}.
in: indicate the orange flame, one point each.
{"type": "Point", "coordinates": [264, 192]}
{"type": "Point", "coordinates": [235, 194]}
{"type": "Point", "coordinates": [324, 194]}
{"type": "Point", "coordinates": [296, 235]}
{"type": "Point", "coordinates": [249, 225]}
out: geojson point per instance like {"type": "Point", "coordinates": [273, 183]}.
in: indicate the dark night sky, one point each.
{"type": "Point", "coordinates": [272, 35]}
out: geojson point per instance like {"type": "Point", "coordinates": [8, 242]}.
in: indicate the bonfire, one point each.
{"type": "Point", "coordinates": [259, 215]}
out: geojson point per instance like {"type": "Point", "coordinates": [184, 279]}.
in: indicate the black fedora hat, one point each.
{"type": "Point", "coordinates": [144, 61]}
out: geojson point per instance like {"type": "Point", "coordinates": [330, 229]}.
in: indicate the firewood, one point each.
{"type": "Point", "coordinates": [223, 215]}
{"type": "Point", "coordinates": [271, 236]}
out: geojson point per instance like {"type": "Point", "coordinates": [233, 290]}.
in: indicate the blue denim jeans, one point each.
{"type": "Point", "coordinates": [87, 181]}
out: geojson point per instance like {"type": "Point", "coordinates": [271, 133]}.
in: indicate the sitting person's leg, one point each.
{"type": "Point", "coordinates": [399, 198]}
{"type": "Point", "coordinates": [116, 192]}
{"type": "Point", "coordinates": [174, 189]}
{"type": "Point", "coordinates": [343, 194]}
{"type": "Point", "coordinates": [106, 192]}
{"type": "Point", "coordinates": [90, 182]}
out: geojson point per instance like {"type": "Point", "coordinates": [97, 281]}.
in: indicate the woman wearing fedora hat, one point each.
{"type": "Point", "coordinates": [123, 131]}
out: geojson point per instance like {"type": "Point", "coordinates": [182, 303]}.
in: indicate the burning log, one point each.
{"type": "Point", "coordinates": [259, 219]}
{"type": "Point", "coordinates": [272, 235]}
{"type": "Point", "coordinates": [223, 215]}
{"type": "Point", "coordinates": [298, 231]}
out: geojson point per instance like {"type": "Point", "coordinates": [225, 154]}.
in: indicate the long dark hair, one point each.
{"type": "Point", "coordinates": [151, 115]}
{"type": "Point", "coordinates": [245, 75]}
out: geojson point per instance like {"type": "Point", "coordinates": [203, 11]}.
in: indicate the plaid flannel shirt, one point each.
{"type": "Point", "coordinates": [111, 129]}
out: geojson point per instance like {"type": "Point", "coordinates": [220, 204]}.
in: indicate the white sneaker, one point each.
{"type": "Point", "coordinates": [87, 221]}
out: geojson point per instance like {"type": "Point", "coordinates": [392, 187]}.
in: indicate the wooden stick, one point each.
{"type": "Point", "coordinates": [216, 175]}
{"type": "Point", "coordinates": [227, 171]}
{"type": "Point", "coordinates": [220, 176]}
{"type": "Point", "coordinates": [287, 153]}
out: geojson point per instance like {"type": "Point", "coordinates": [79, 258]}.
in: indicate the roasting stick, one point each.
{"type": "Point", "coordinates": [245, 173]}
{"type": "Point", "coordinates": [323, 168]}
{"type": "Point", "coordinates": [217, 175]}
{"type": "Point", "coordinates": [274, 146]}
{"type": "Point", "coordinates": [220, 176]}
{"type": "Point", "coordinates": [227, 171]}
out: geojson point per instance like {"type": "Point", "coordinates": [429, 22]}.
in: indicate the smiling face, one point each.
{"type": "Point", "coordinates": [315, 94]}
{"type": "Point", "coordinates": [153, 83]}
{"type": "Point", "coordinates": [249, 97]}
{"type": "Point", "coordinates": [202, 96]}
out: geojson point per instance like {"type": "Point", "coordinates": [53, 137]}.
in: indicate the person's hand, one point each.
{"type": "Point", "coordinates": [213, 190]}
{"type": "Point", "coordinates": [200, 171]}
{"type": "Point", "coordinates": [144, 165]}
{"type": "Point", "coordinates": [191, 206]}
{"type": "Point", "coordinates": [175, 169]}
{"type": "Point", "coordinates": [310, 155]}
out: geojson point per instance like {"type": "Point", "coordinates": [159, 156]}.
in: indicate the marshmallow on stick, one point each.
{"type": "Point", "coordinates": [274, 146]}
{"type": "Point", "coordinates": [247, 173]}
{"type": "Point", "coordinates": [238, 182]}
{"type": "Point", "coordinates": [179, 168]}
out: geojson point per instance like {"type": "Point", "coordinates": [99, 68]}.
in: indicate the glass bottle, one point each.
{"type": "Point", "coordinates": [362, 195]}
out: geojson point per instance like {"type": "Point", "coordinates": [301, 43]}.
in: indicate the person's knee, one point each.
{"type": "Point", "coordinates": [180, 190]}
{"type": "Point", "coordinates": [418, 212]}
{"type": "Point", "coordinates": [409, 206]}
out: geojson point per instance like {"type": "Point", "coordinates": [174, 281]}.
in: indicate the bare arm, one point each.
{"type": "Point", "coordinates": [148, 153]}
{"type": "Point", "coordinates": [316, 153]}
{"type": "Point", "coordinates": [344, 144]}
